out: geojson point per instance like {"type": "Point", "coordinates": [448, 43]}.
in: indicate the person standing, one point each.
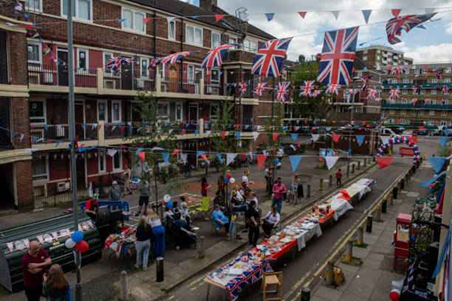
{"type": "Point", "coordinates": [143, 244]}
{"type": "Point", "coordinates": [268, 180]}
{"type": "Point", "coordinates": [143, 202]}
{"type": "Point", "coordinates": [56, 286]}
{"type": "Point", "coordinates": [271, 220]}
{"type": "Point", "coordinates": [158, 235]}
{"type": "Point", "coordinates": [127, 174]}
{"type": "Point", "coordinates": [34, 263]}
{"type": "Point", "coordinates": [204, 187]}
{"type": "Point", "coordinates": [253, 220]}
{"type": "Point", "coordinates": [339, 176]}
{"type": "Point", "coordinates": [115, 192]}
{"type": "Point", "coordinates": [279, 189]}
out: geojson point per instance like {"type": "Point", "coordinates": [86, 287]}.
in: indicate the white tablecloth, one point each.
{"type": "Point", "coordinates": [340, 206]}
{"type": "Point", "coordinates": [302, 239]}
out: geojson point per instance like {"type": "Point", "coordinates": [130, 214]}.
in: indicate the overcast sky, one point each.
{"type": "Point", "coordinates": [434, 44]}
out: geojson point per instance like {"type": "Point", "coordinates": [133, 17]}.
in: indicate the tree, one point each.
{"type": "Point", "coordinates": [301, 59]}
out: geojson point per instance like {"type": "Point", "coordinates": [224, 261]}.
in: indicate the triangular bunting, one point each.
{"type": "Point", "coordinates": [255, 135]}
{"type": "Point", "coordinates": [165, 157]}
{"type": "Point", "coordinates": [302, 14]}
{"type": "Point", "coordinates": [223, 135]}
{"type": "Point", "coordinates": [366, 14]}
{"type": "Point", "coordinates": [331, 161]}
{"type": "Point", "coordinates": [295, 161]}
{"type": "Point", "coordinates": [335, 14]}
{"type": "Point", "coordinates": [294, 136]}
{"type": "Point", "coordinates": [275, 136]}
{"type": "Point", "coordinates": [184, 158]}
{"type": "Point", "coordinates": [220, 158]}
{"type": "Point", "coordinates": [315, 137]}
{"type": "Point", "coordinates": [238, 135]}
{"type": "Point", "coordinates": [218, 18]}
{"type": "Point", "coordinates": [261, 158]}
{"type": "Point", "coordinates": [142, 156]}
{"type": "Point", "coordinates": [269, 16]}
{"type": "Point", "coordinates": [204, 157]}
{"type": "Point", "coordinates": [360, 139]}
{"type": "Point", "coordinates": [336, 137]}
{"type": "Point", "coordinates": [111, 152]}
{"type": "Point", "coordinates": [200, 153]}
{"type": "Point", "coordinates": [230, 158]}
{"type": "Point", "coordinates": [385, 139]}
{"type": "Point", "coordinates": [437, 163]}
{"type": "Point", "coordinates": [395, 12]}
{"type": "Point", "coordinates": [384, 162]}
{"type": "Point", "coordinates": [443, 141]}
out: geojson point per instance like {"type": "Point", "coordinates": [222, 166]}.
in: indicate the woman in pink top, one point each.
{"type": "Point", "coordinates": [279, 189]}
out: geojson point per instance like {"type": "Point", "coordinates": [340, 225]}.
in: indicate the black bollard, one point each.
{"type": "Point", "coordinates": [402, 184]}
{"type": "Point", "coordinates": [384, 206]}
{"type": "Point", "coordinates": [305, 294]}
{"type": "Point", "coordinates": [369, 224]}
{"type": "Point", "coordinates": [395, 192]}
{"type": "Point", "coordinates": [159, 269]}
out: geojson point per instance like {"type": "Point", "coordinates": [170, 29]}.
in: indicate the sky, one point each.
{"type": "Point", "coordinates": [433, 44]}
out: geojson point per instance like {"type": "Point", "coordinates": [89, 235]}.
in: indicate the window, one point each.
{"type": "Point", "coordinates": [446, 80]}
{"type": "Point", "coordinates": [432, 113]}
{"type": "Point", "coordinates": [215, 76]}
{"type": "Point", "coordinates": [82, 59]}
{"type": "Point", "coordinates": [233, 41]}
{"type": "Point", "coordinates": [194, 35]}
{"type": "Point", "coordinates": [117, 161]}
{"type": "Point", "coordinates": [214, 111]}
{"type": "Point", "coordinates": [37, 111]}
{"type": "Point", "coordinates": [434, 81]}
{"type": "Point", "coordinates": [163, 110]}
{"type": "Point", "coordinates": [144, 67]}
{"type": "Point", "coordinates": [82, 9]}
{"type": "Point", "coordinates": [422, 91]}
{"type": "Point", "coordinates": [250, 45]}
{"type": "Point", "coordinates": [102, 161]}
{"type": "Point", "coordinates": [443, 113]}
{"type": "Point", "coordinates": [216, 39]}
{"type": "Point", "coordinates": [162, 71]}
{"type": "Point", "coordinates": [178, 112]}
{"type": "Point", "coordinates": [116, 111]}
{"type": "Point", "coordinates": [33, 5]}
{"type": "Point", "coordinates": [404, 91]}
{"type": "Point", "coordinates": [191, 74]}
{"type": "Point", "coordinates": [365, 58]}
{"type": "Point", "coordinates": [172, 30]}
{"type": "Point", "coordinates": [34, 53]}
{"type": "Point", "coordinates": [133, 20]}
{"type": "Point", "coordinates": [406, 80]}
{"type": "Point", "coordinates": [40, 168]}
{"type": "Point", "coordinates": [102, 114]}
{"type": "Point", "coordinates": [434, 92]}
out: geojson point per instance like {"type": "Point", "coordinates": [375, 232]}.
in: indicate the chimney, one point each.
{"type": "Point", "coordinates": [208, 4]}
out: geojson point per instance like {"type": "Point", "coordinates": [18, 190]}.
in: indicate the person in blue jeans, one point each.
{"type": "Point", "coordinates": [158, 235]}
{"type": "Point", "coordinates": [143, 244]}
{"type": "Point", "coordinates": [279, 189]}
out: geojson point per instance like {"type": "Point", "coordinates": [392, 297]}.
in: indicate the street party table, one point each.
{"type": "Point", "coordinates": [120, 244]}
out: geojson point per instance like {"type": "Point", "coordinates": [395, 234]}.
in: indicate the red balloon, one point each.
{"type": "Point", "coordinates": [228, 175]}
{"type": "Point", "coordinates": [394, 295]}
{"type": "Point", "coordinates": [82, 247]}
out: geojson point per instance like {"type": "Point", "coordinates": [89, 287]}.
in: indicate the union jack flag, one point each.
{"type": "Point", "coordinates": [333, 89]}
{"type": "Point", "coordinates": [269, 58]}
{"type": "Point", "coordinates": [260, 88]}
{"type": "Point", "coordinates": [115, 63]}
{"type": "Point", "coordinates": [394, 94]}
{"type": "Point", "coordinates": [395, 26]}
{"type": "Point", "coordinates": [175, 57]}
{"type": "Point", "coordinates": [438, 74]}
{"type": "Point", "coordinates": [445, 90]}
{"type": "Point", "coordinates": [415, 89]}
{"type": "Point", "coordinates": [427, 101]}
{"type": "Point", "coordinates": [242, 88]}
{"type": "Point", "coordinates": [372, 94]}
{"type": "Point", "coordinates": [414, 100]}
{"type": "Point", "coordinates": [215, 56]}
{"type": "Point", "coordinates": [154, 63]}
{"type": "Point", "coordinates": [282, 91]}
{"type": "Point", "coordinates": [398, 70]}
{"type": "Point", "coordinates": [352, 91]}
{"type": "Point", "coordinates": [316, 93]}
{"type": "Point", "coordinates": [338, 54]}
{"type": "Point", "coordinates": [306, 90]}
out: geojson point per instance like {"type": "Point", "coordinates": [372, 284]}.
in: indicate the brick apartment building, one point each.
{"type": "Point", "coordinates": [424, 97]}
{"type": "Point", "coordinates": [139, 30]}
{"type": "Point", "coordinates": [379, 58]}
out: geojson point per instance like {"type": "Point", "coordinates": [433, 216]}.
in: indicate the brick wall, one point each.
{"type": "Point", "coordinates": [18, 55]}
{"type": "Point", "coordinates": [19, 114]}
{"type": "Point", "coordinates": [24, 185]}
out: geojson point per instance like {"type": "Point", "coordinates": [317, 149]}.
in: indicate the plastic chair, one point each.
{"type": "Point", "coordinates": [204, 211]}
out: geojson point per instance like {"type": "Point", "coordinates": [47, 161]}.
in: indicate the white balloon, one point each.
{"type": "Point", "coordinates": [70, 244]}
{"type": "Point", "coordinates": [232, 180]}
{"type": "Point", "coordinates": [167, 198]}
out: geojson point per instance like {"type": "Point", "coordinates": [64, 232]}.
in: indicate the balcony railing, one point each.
{"type": "Point", "coordinates": [410, 85]}
{"type": "Point", "coordinates": [405, 106]}
{"type": "Point", "coordinates": [51, 76]}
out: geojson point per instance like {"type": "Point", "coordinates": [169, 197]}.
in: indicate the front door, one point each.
{"type": "Point", "coordinates": [80, 120]}
{"type": "Point", "coordinates": [193, 113]}
{"type": "Point", "coordinates": [62, 68]}
{"type": "Point", "coordinates": [126, 75]}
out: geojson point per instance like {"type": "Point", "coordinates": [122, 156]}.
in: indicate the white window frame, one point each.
{"type": "Point", "coordinates": [33, 9]}
{"type": "Point", "coordinates": [211, 39]}
{"type": "Point", "coordinates": [233, 41]}
{"type": "Point", "coordinates": [113, 102]}
{"type": "Point", "coordinates": [166, 116]}
{"type": "Point", "coordinates": [118, 153]}
{"type": "Point", "coordinates": [41, 176]}
{"type": "Point", "coordinates": [191, 72]}
{"type": "Point", "coordinates": [78, 58]}
{"type": "Point", "coordinates": [106, 110]}
{"type": "Point", "coordinates": [39, 54]}
{"type": "Point", "coordinates": [76, 14]}
{"type": "Point", "coordinates": [143, 59]}
{"type": "Point", "coordinates": [215, 81]}
{"type": "Point", "coordinates": [133, 24]}
{"type": "Point", "coordinates": [174, 31]}
{"type": "Point", "coordinates": [248, 48]}
{"type": "Point", "coordinates": [446, 80]}
{"type": "Point", "coordinates": [443, 113]}
{"type": "Point", "coordinates": [102, 154]}
{"type": "Point", "coordinates": [194, 43]}
{"type": "Point", "coordinates": [179, 105]}
{"type": "Point", "coordinates": [44, 108]}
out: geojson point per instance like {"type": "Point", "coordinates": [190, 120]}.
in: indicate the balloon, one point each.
{"type": "Point", "coordinates": [167, 198]}
{"type": "Point", "coordinates": [394, 295]}
{"type": "Point", "coordinates": [232, 180]}
{"type": "Point", "coordinates": [229, 175]}
{"type": "Point", "coordinates": [82, 247]}
{"type": "Point", "coordinates": [69, 243]}
{"type": "Point", "coordinates": [77, 236]}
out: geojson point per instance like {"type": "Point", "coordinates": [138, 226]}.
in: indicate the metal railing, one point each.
{"type": "Point", "coordinates": [52, 76]}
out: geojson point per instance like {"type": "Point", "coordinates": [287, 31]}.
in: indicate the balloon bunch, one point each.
{"type": "Point", "coordinates": [397, 140]}
{"type": "Point", "coordinates": [76, 241]}
{"type": "Point", "coordinates": [229, 178]}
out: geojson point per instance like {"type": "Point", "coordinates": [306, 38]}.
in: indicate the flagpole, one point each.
{"type": "Point", "coordinates": [72, 137]}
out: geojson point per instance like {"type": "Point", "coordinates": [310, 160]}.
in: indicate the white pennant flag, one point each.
{"type": "Point", "coordinates": [112, 152]}
{"type": "Point", "coordinates": [385, 139]}
{"type": "Point", "coordinates": [251, 155]}
{"type": "Point", "coordinates": [184, 157]}
{"type": "Point", "coordinates": [255, 135]}
{"type": "Point", "coordinates": [331, 161]}
{"type": "Point", "coordinates": [230, 158]}
{"type": "Point", "coordinates": [315, 137]}
{"type": "Point", "coordinates": [335, 14]}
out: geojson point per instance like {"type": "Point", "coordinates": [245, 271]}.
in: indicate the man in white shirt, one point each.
{"type": "Point", "coordinates": [271, 220]}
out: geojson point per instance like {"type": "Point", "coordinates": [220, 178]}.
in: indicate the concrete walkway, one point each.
{"type": "Point", "coordinates": [372, 280]}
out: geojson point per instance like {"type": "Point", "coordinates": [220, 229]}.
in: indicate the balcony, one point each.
{"type": "Point", "coordinates": [422, 85]}
{"type": "Point", "coordinates": [408, 106]}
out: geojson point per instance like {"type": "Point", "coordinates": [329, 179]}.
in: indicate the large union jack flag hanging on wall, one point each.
{"type": "Point", "coordinates": [395, 26]}
{"type": "Point", "coordinates": [269, 58]}
{"type": "Point", "coordinates": [338, 54]}
{"type": "Point", "coordinates": [214, 58]}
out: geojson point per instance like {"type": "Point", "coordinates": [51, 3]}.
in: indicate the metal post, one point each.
{"type": "Point", "coordinates": [391, 200]}
{"type": "Point", "coordinates": [353, 168]}
{"type": "Point", "coordinates": [329, 273]}
{"type": "Point", "coordinates": [348, 170]}
{"type": "Point", "coordinates": [359, 165]}
{"type": "Point", "coordinates": [384, 206]}
{"type": "Point", "coordinates": [402, 184]}
{"type": "Point", "coordinates": [305, 294]}
{"type": "Point", "coordinates": [72, 138]}
{"type": "Point", "coordinates": [365, 162]}
{"type": "Point", "coordinates": [321, 185]}
{"type": "Point", "coordinates": [349, 252]}
{"type": "Point", "coordinates": [360, 240]}
{"type": "Point", "coordinates": [331, 181]}
{"type": "Point", "coordinates": [395, 192]}
{"type": "Point", "coordinates": [124, 288]}
{"type": "Point", "coordinates": [159, 269]}
{"type": "Point", "coordinates": [308, 191]}
{"type": "Point", "coordinates": [369, 224]}
{"type": "Point", "coordinates": [201, 247]}
{"type": "Point", "coordinates": [377, 213]}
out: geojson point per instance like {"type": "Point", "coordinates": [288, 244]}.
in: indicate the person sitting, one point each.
{"type": "Point", "coordinates": [169, 216]}
{"type": "Point", "coordinates": [184, 212]}
{"type": "Point", "coordinates": [91, 208]}
{"type": "Point", "coordinates": [184, 237]}
{"type": "Point", "coordinates": [270, 221]}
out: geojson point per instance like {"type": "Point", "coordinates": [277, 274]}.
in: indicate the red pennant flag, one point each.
{"type": "Point", "coordinates": [29, 26]}
{"type": "Point", "coordinates": [183, 131]}
{"type": "Point", "coordinates": [261, 158]}
{"type": "Point", "coordinates": [336, 137]}
{"type": "Point", "coordinates": [395, 12]}
{"type": "Point", "coordinates": [223, 135]}
{"type": "Point", "coordinates": [204, 157]}
{"type": "Point", "coordinates": [122, 128]}
{"type": "Point", "coordinates": [142, 156]}
{"type": "Point", "coordinates": [218, 18]}
{"type": "Point", "coordinates": [302, 14]}
{"type": "Point", "coordinates": [237, 126]}
{"type": "Point", "coordinates": [147, 20]}
{"type": "Point", "coordinates": [275, 136]}
{"type": "Point", "coordinates": [384, 162]}
{"type": "Point", "coordinates": [175, 151]}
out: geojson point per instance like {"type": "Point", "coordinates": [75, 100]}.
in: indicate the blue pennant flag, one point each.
{"type": "Point", "coordinates": [328, 128]}
{"type": "Point", "coordinates": [165, 157]}
{"type": "Point", "coordinates": [270, 16]}
{"type": "Point", "coordinates": [295, 161]}
{"type": "Point", "coordinates": [360, 139]}
{"type": "Point", "coordinates": [294, 136]}
{"type": "Point", "coordinates": [446, 132]}
{"type": "Point", "coordinates": [196, 132]}
{"type": "Point", "coordinates": [443, 254]}
{"type": "Point", "coordinates": [121, 20]}
{"type": "Point", "coordinates": [432, 180]}
{"type": "Point", "coordinates": [238, 135]}
{"type": "Point", "coordinates": [437, 163]}
{"type": "Point", "coordinates": [443, 141]}
{"type": "Point", "coordinates": [200, 153]}
{"type": "Point", "coordinates": [220, 158]}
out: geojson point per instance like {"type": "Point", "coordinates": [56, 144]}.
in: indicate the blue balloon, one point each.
{"type": "Point", "coordinates": [77, 236]}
